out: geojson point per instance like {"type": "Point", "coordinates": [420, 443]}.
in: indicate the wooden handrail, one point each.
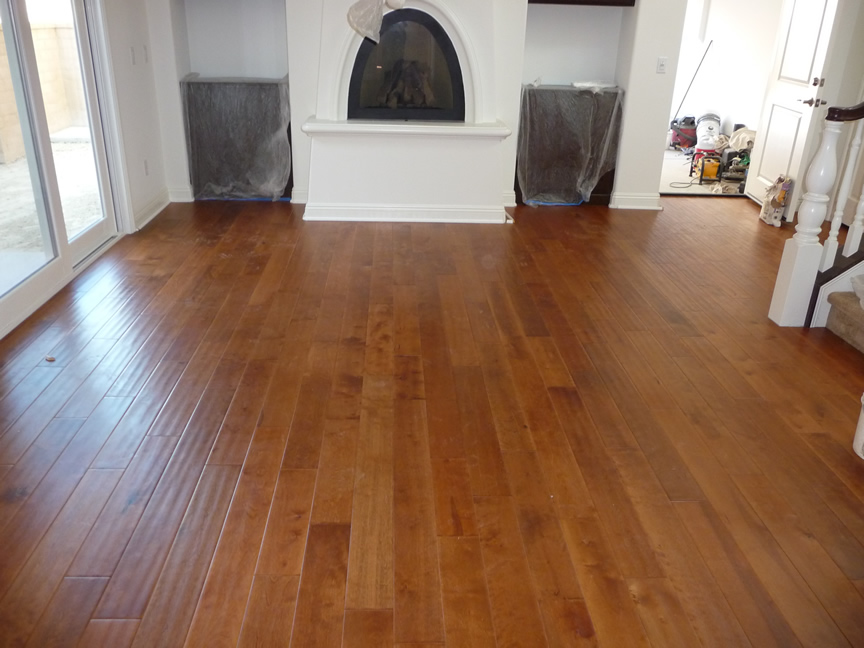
{"type": "Point", "coordinates": [853, 113]}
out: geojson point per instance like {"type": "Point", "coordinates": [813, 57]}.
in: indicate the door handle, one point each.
{"type": "Point", "coordinates": [813, 102]}
{"type": "Point", "coordinates": [809, 102]}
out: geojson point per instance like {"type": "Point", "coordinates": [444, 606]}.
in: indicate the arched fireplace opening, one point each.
{"type": "Point", "coordinates": [413, 73]}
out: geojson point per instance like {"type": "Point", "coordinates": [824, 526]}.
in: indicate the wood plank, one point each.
{"type": "Point", "coordinates": [318, 620]}
{"type": "Point", "coordinates": [26, 474]}
{"type": "Point", "coordinates": [219, 611]}
{"type": "Point", "coordinates": [488, 475]}
{"type": "Point", "coordinates": [368, 629]}
{"type": "Point", "coordinates": [68, 613]}
{"type": "Point", "coordinates": [711, 616]}
{"type": "Point", "coordinates": [307, 428]}
{"type": "Point", "coordinates": [16, 440]}
{"type": "Point", "coordinates": [454, 501]}
{"type": "Point", "coordinates": [445, 425]}
{"type": "Point", "coordinates": [837, 594]}
{"type": "Point", "coordinates": [135, 576]}
{"type": "Point", "coordinates": [510, 423]}
{"type": "Point", "coordinates": [560, 470]}
{"type": "Point", "coordinates": [334, 491]}
{"type": "Point", "coordinates": [270, 613]}
{"type": "Point", "coordinates": [417, 603]}
{"type": "Point", "coordinates": [467, 615]}
{"type": "Point", "coordinates": [284, 542]}
{"type": "Point", "coordinates": [549, 362]}
{"type": "Point", "coordinates": [370, 579]}
{"type": "Point", "coordinates": [607, 597]}
{"type": "Point", "coordinates": [104, 545]}
{"type": "Point", "coordinates": [661, 613]}
{"type": "Point", "coordinates": [24, 393]}
{"type": "Point", "coordinates": [123, 443]}
{"type": "Point", "coordinates": [406, 321]}
{"type": "Point", "coordinates": [379, 340]}
{"type": "Point", "coordinates": [109, 633]}
{"type": "Point", "coordinates": [170, 609]}
{"type": "Point", "coordinates": [752, 604]}
{"type": "Point", "coordinates": [41, 574]}
{"type": "Point", "coordinates": [457, 326]}
{"type": "Point", "coordinates": [513, 600]}
{"type": "Point", "coordinates": [632, 547]}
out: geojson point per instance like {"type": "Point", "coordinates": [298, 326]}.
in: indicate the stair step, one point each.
{"type": "Point", "coordinates": [846, 319]}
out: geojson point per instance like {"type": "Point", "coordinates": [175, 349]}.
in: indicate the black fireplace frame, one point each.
{"type": "Point", "coordinates": [456, 114]}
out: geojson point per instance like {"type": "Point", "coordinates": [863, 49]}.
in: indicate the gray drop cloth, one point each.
{"type": "Point", "coordinates": [568, 139]}
{"type": "Point", "coordinates": [237, 132]}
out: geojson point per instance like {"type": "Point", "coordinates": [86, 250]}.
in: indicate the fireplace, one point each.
{"type": "Point", "coordinates": [413, 73]}
{"type": "Point", "coordinates": [412, 160]}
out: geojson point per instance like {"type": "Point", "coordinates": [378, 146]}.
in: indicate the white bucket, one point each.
{"type": "Point", "coordinates": [707, 131]}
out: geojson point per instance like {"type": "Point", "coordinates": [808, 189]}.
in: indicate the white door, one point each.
{"type": "Point", "coordinates": [782, 140]}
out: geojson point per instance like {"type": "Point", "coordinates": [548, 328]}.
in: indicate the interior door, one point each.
{"type": "Point", "coordinates": [791, 107]}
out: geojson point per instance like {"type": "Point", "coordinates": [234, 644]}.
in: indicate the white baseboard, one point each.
{"type": "Point", "coordinates": [649, 201]}
{"type": "Point", "coordinates": [405, 213]}
{"type": "Point", "coordinates": [300, 195]}
{"type": "Point", "coordinates": [181, 194]}
{"type": "Point", "coordinates": [509, 198]}
{"type": "Point", "coordinates": [151, 210]}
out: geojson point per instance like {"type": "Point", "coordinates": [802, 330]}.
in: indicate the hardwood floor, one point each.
{"type": "Point", "coordinates": [580, 429]}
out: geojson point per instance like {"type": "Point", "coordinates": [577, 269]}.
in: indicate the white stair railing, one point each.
{"type": "Point", "coordinates": [829, 253]}
{"type": "Point", "coordinates": [802, 254]}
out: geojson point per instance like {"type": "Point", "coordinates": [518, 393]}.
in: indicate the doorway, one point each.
{"type": "Point", "coordinates": [56, 204]}
{"type": "Point", "coordinates": [727, 51]}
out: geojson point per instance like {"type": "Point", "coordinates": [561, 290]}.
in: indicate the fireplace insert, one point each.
{"type": "Point", "coordinates": [413, 73]}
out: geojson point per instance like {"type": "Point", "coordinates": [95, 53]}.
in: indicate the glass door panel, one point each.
{"type": "Point", "coordinates": [26, 241]}
{"type": "Point", "coordinates": [68, 105]}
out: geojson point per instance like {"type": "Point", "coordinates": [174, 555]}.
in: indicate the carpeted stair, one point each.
{"type": "Point", "coordinates": [846, 319]}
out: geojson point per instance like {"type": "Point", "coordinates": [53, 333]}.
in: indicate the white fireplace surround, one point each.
{"type": "Point", "coordinates": [417, 171]}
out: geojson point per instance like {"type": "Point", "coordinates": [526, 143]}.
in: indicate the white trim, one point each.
{"type": "Point", "coordinates": [647, 201]}
{"type": "Point", "coordinates": [300, 195]}
{"type": "Point", "coordinates": [405, 213]}
{"type": "Point", "coordinates": [151, 210]}
{"type": "Point", "coordinates": [322, 127]}
{"type": "Point", "coordinates": [509, 199]}
{"type": "Point", "coordinates": [842, 283]}
{"type": "Point", "coordinates": [181, 194]}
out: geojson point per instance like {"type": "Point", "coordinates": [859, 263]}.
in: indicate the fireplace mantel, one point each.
{"type": "Point", "coordinates": [495, 130]}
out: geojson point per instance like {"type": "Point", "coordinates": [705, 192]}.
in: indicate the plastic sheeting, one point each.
{"type": "Point", "coordinates": [237, 136]}
{"type": "Point", "coordinates": [568, 139]}
{"type": "Point", "coordinates": [365, 17]}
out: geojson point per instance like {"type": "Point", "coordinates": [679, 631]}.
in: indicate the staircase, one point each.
{"type": "Point", "coordinates": [813, 286]}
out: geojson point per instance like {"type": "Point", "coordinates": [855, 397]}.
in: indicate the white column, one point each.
{"type": "Point", "coordinates": [858, 443]}
{"type": "Point", "coordinates": [829, 254]}
{"type": "Point", "coordinates": [802, 253]}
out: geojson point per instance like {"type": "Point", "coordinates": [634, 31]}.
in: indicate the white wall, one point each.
{"type": "Point", "coordinates": [650, 30]}
{"type": "Point", "coordinates": [232, 38]}
{"type": "Point", "coordinates": [169, 59]}
{"type": "Point", "coordinates": [131, 51]}
{"type": "Point", "coordinates": [733, 78]}
{"type": "Point", "coordinates": [566, 43]}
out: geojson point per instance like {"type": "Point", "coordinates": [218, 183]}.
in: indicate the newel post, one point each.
{"type": "Point", "coordinates": [858, 443]}
{"type": "Point", "coordinates": [802, 254]}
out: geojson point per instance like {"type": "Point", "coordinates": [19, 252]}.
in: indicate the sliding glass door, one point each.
{"type": "Point", "coordinates": [55, 192]}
